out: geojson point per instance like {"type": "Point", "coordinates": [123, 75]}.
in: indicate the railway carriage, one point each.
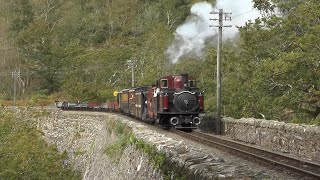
{"type": "Point", "coordinates": [133, 101]}
{"type": "Point", "coordinates": [123, 101]}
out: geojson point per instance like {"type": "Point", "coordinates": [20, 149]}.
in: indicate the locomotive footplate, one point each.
{"type": "Point", "coordinates": [188, 126]}
{"type": "Point", "coordinates": [180, 113]}
{"type": "Point", "coordinates": [187, 121]}
{"type": "Point", "coordinates": [182, 120]}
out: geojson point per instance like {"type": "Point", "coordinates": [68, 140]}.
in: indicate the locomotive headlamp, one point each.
{"type": "Point", "coordinates": [196, 120]}
{"type": "Point", "coordinates": [174, 121]}
{"type": "Point", "coordinates": [115, 93]}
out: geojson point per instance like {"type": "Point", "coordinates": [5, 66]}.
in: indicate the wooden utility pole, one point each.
{"type": "Point", "coordinates": [131, 64]}
{"type": "Point", "coordinates": [15, 76]}
{"type": "Point", "coordinates": [132, 74]}
{"type": "Point", "coordinates": [17, 81]}
{"type": "Point", "coordinates": [222, 16]}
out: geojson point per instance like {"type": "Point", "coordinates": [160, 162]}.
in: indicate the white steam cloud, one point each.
{"type": "Point", "coordinates": [190, 37]}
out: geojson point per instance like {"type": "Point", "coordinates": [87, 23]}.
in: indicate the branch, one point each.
{"type": "Point", "coordinates": [281, 87]}
{"type": "Point", "coordinates": [262, 115]}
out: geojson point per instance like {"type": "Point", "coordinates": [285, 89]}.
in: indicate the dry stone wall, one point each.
{"type": "Point", "coordinates": [84, 137]}
{"type": "Point", "coordinates": [297, 140]}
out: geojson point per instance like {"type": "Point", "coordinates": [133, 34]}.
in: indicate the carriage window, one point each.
{"type": "Point", "coordinates": [191, 83]}
{"type": "Point", "coordinates": [164, 83]}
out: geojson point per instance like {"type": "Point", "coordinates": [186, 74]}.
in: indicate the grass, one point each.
{"type": "Point", "coordinates": [25, 155]}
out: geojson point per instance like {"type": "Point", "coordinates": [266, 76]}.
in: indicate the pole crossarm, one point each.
{"type": "Point", "coordinates": [11, 73]}
{"type": "Point", "coordinates": [222, 17]}
{"type": "Point", "coordinates": [219, 26]}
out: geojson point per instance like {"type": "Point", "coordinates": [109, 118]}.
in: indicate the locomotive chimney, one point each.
{"type": "Point", "coordinates": [185, 80]}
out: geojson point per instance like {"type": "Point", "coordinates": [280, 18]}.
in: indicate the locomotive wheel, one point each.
{"type": "Point", "coordinates": [163, 123]}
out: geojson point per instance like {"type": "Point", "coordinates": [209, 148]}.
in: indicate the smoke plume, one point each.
{"type": "Point", "coordinates": [191, 36]}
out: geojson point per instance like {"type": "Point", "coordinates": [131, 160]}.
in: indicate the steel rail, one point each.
{"type": "Point", "coordinates": [304, 167]}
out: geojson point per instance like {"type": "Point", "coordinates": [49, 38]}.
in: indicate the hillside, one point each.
{"type": "Point", "coordinates": [80, 48]}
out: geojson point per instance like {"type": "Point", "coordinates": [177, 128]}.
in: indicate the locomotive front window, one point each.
{"type": "Point", "coordinates": [164, 83]}
{"type": "Point", "coordinates": [192, 83]}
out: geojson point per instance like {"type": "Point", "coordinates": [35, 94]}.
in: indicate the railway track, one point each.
{"type": "Point", "coordinates": [308, 170]}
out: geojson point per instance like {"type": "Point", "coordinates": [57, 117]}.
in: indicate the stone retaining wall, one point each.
{"type": "Point", "coordinates": [297, 140]}
{"type": "Point", "coordinates": [85, 137]}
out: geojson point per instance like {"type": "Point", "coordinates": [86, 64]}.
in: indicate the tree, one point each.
{"type": "Point", "coordinates": [284, 52]}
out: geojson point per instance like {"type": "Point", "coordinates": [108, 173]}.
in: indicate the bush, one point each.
{"type": "Point", "coordinates": [40, 99]}
{"type": "Point", "coordinates": [208, 123]}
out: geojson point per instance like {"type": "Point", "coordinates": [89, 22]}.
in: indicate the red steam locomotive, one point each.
{"type": "Point", "coordinates": [174, 101]}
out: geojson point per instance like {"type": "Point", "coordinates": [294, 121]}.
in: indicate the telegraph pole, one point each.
{"type": "Point", "coordinates": [222, 16]}
{"type": "Point", "coordinates": [132, 74]}
{"type": "Point", "coordinates": [131, 64]}
{"type": "Point", "coordinates": [15, 76]}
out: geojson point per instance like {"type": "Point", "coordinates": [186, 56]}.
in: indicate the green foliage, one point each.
{"type": "Point", "coordinates": [52, 37]}
{"type": "Point", "coordinates": [158, 159]}
{"type": "Point", "coordinates": [20, 16]}
{"type": "Point", "coordinates": [25, 155]}
{"type": "Point", "coordinates": [40, 99]}
{"type": "Point", "coordinates": [81, 47]}
{"type": "Point", "coordinates": [275, 73]}
{"type": "Point", "coordinates": [42, 113]}
{"type": "Point", "coordinates": [115, 150]}
{"type": "Point", "coordinates": [125, 135]}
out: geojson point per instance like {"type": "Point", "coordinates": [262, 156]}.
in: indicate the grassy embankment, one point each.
{"type": "Point", "coordinates": [25, 155]}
